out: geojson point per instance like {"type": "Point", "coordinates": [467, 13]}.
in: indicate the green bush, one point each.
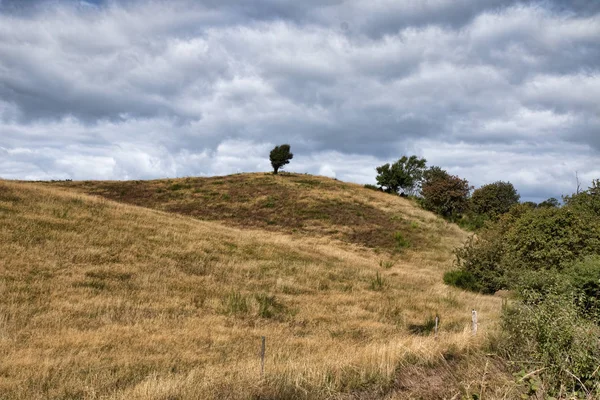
{"type": "Point", "coordinates": [462, 279]}
{"type": "Point", "coordinates": [494, 199]}
{"type": "Point", "coordinates": [525, 240]}
{"type": "Point", "coordinates": [551, 237]}
{"type": "Point", "coordinates": [549, 335]}
{"type": "Point", "coordinates": [481, 258]}
{"type": "Point", "coordinates": [372, 187]}
{"type": "Point", "coordinates": [472, 222]}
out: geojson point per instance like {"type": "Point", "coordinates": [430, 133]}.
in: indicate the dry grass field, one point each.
{"type": "Point", "coordinates": [105, 300]}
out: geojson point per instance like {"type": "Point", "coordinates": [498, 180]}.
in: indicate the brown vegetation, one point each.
{"type": "Point", "coordinates": [290, 203]}
{"type": "Point", "coordinates": [101, 300]}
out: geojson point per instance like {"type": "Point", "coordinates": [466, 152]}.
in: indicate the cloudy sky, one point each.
{"type": "Point", "coordinates": [130, 89]}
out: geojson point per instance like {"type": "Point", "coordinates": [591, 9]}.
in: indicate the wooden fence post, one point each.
{"type": "Point", "coordinates": [262, 358]}
{"type": "Point", "coordinates": [474, 322]}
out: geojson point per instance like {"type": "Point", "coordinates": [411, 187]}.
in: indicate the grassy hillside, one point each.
{"type": "Point", "coordinates": [103, 300]}
{"type": "Point", "coordinates": [290, 203]}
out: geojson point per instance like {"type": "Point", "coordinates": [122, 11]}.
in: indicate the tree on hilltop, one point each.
{"type": "Point", "coordinates": [280, 156]}
{"type": "Point", "coordinates": [444, 194]}
{"type": "Point", "coordinates": [405, 174]}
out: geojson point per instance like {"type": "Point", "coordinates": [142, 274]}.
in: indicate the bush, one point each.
{"type": "Point", "coordinates": [587, 201]}
{"type": "Point", "coordinates": [494, 199]}
{"type": "Point", "coordinates": [551, 237]}
{"type": "Point", "coordinates": [528, 240]}
{"type": "Point", "coordinates": [462, 279]}
{"type": "Point", "coordinates": [446, 195]}
{"type": "Point", "coordinates": [553, 339]}
{"type": "Point", "coordinates": [583, 277]}
{"type": "Point", "coordinates": [472, 222]}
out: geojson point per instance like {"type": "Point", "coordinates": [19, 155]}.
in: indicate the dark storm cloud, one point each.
{"type": "Point", "coordinates": [123, 89]}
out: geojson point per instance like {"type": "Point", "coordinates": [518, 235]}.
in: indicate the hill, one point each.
{"type": "Point", "coordinates": [290, 203]}
{"type": "Point", "coordinates": [105, 300]}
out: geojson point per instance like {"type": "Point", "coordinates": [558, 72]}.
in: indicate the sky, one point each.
{"type": "Point", "coordinates": [129, 89]}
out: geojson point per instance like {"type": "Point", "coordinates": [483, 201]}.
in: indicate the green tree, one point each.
{"type": "Point", "coordinates": [587, 201]}
{"type": "Point", "coordinates": [549, 203]}
{"type": "Point", "coordinates": [280, 156]}
{"type": "Point", "coordinates": [405, 174]}
{"type": "Point", "coordinates": [444, 194]}
{"type": "Point", "coordinates": [494, 199]}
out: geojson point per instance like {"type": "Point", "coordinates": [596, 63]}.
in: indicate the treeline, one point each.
{"type": "Point", "coordinates": [449, 195]}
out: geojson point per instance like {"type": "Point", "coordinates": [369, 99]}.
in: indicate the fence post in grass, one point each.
{"type": "Point", "coordinates": [474, 322]}
{"type": "Point", "coordinates": [262, 358]}
{"type": "Point", "coordinates": [437, 320]}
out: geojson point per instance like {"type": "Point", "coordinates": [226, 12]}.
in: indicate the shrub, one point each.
{"type": "Point", "coordinates": [551, 237]}
{"type": "Point", "coordinates": [481, 258]}
{"type": "Point", "coordinates": [494, 199]}
{"type": "Point", "coordinates": [528, 240]}
{"type": "Point", "coordinates": [584, 278]}
{"type": "Point", "coordinates": [554, 340]}
{"type": "Point", "coordinates": [462, 279]}
{"type": "Point", "coordinates": [588, 201]}
{"type": "Point", "coordinates": [444, 194]}
{"type": "Point", "coordinates": [472, 222]}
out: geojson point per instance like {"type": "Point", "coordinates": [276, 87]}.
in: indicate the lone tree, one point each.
{"type": "Point", "coordinates": [444, 194]}
{"type": "Point", "coordinates": [494, 199]}
{"type": "Point", "coordinates": [405, 174]}
{"type": "Point", "coordinates": [280, 156]}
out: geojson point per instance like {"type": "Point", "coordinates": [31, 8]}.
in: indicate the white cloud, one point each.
{"type": "Point", "coordinates": [488, 89]}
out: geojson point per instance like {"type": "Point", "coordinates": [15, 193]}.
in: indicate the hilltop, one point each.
{"type": "Point", "coordinates": [290, 203]}
{"type": "Point", "coordinates": [162, 290]}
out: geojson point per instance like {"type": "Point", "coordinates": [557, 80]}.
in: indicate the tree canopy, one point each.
{"type": "Point", "coordinates": [405, 174]}
{"type": "Point", "coordinates": [494, 199]}
{"type": "Point", "coordinates": [280, 156]}
{"type": "Point", "coordinates": [444, 194]}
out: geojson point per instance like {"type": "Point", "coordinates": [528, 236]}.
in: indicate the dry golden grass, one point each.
{"type": "Point", "coordinates": [101, 300]}
{"type": "Point", "coordinates": [290, 203]}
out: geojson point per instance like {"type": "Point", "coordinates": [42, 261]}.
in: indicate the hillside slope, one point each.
{"type": "Point", "coordinates": [290, 203]}
{"type": "Point", "coordinates": [101, 300]}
